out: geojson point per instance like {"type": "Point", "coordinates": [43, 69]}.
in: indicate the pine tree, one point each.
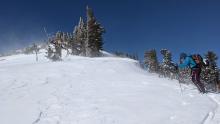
{"type": "Point", "coordinates": [56, 42]}
{"type": "Point", "coordinates": [58, 45]}
{"type": "Point", "coordinates": [49, 52]}
{"type": "Point", "coordinates": [86, 39]}
{"type": "Point", "coordinates": [151, 61]}
{"type": "Point", "coordinates": [94, 41]}
{"type": "Point", "coordinates": [80, 38]}
{"type": "Point", "coordinates": [167, 56]}
{"type": "Point", "coordinates": [210, 74]}
{"type": "Point", "coordinates": [68, 45]}
{"type": "Point", "coordinates": [218, 83]}
{"type": "Point", "coordinates": [74, 44]}
{"type": "Point", "coordinates": [212, 58]}
{"type": "Point", "coordinates": [137, 57]}
{"type": "Point", "coordinates": [168, 68]}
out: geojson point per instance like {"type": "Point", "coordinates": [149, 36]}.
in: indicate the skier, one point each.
{"type": "Point", "coordinates": [195, 62]}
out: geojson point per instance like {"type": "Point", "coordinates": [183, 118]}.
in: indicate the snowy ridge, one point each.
{"type": "Point", "coordinates": [106, 90]}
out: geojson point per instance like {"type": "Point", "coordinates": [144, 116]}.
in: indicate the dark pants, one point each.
{"type": "Point", "coordinates": [196, 79]}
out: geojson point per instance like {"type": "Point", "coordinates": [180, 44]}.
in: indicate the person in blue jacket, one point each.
{"type": "Point", "coordinates": [195, 71]}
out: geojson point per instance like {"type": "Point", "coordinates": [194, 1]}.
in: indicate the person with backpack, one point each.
{"type": "Point", "coordinates": [195, 62]}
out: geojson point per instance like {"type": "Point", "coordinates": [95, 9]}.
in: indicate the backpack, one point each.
{"type": "Point", "coordinates": [198, 60]}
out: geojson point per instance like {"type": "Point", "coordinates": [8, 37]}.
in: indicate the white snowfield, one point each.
{"type": "Point", "coordinates": [105, 90]}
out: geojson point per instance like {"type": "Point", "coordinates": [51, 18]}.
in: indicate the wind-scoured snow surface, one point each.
{"type": "Point", "coordinates": [106, 90]}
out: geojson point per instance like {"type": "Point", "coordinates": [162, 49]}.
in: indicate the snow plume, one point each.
{"type": "Point", "coordinates": [11, 41]}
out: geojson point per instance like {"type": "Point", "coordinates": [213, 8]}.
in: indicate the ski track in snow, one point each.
{"type": "Point", "coordinates": [213, 117]}
{"type": "Point", "coordinates": [106, 90]}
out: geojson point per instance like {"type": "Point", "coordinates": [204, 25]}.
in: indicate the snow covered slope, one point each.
{"type": "Point", "coordinates": [105, 90]}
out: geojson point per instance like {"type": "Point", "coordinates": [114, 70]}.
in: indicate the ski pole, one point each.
{"type": "Point", "coordinates": [180, 83]}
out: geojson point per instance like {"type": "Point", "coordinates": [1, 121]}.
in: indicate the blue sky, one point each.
{"type": "Point", "coordinates": [134, 26]}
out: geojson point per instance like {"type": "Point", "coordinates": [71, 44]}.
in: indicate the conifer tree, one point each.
{"type": "Point", "coordinates": [94, 42]}
{"type": "Point", "coordinates": [210, 74]}
{"type": "Point", "coordinates": [167, 56]}
{"type": "Point", "coordinates": [167, 67]}
{"type": "Point", "coordinates": [49, 52]}
{"type": "Point", "coordinates": [55, 47]}
{"type": "Point", "coordinates": [68, 44]}
{"type": "Point", "coordinates": [74, 44]}
{"type": "Point", "coordinates": [86, 39]}
{"type": "Point", "coordinates": [212, 58]}
{"type": "Point", "coordinates": [58, 45]}
{"type": "Point", "coordinates": [151, 61]}
{"type": "Point", "coordinates": [80, 38]}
